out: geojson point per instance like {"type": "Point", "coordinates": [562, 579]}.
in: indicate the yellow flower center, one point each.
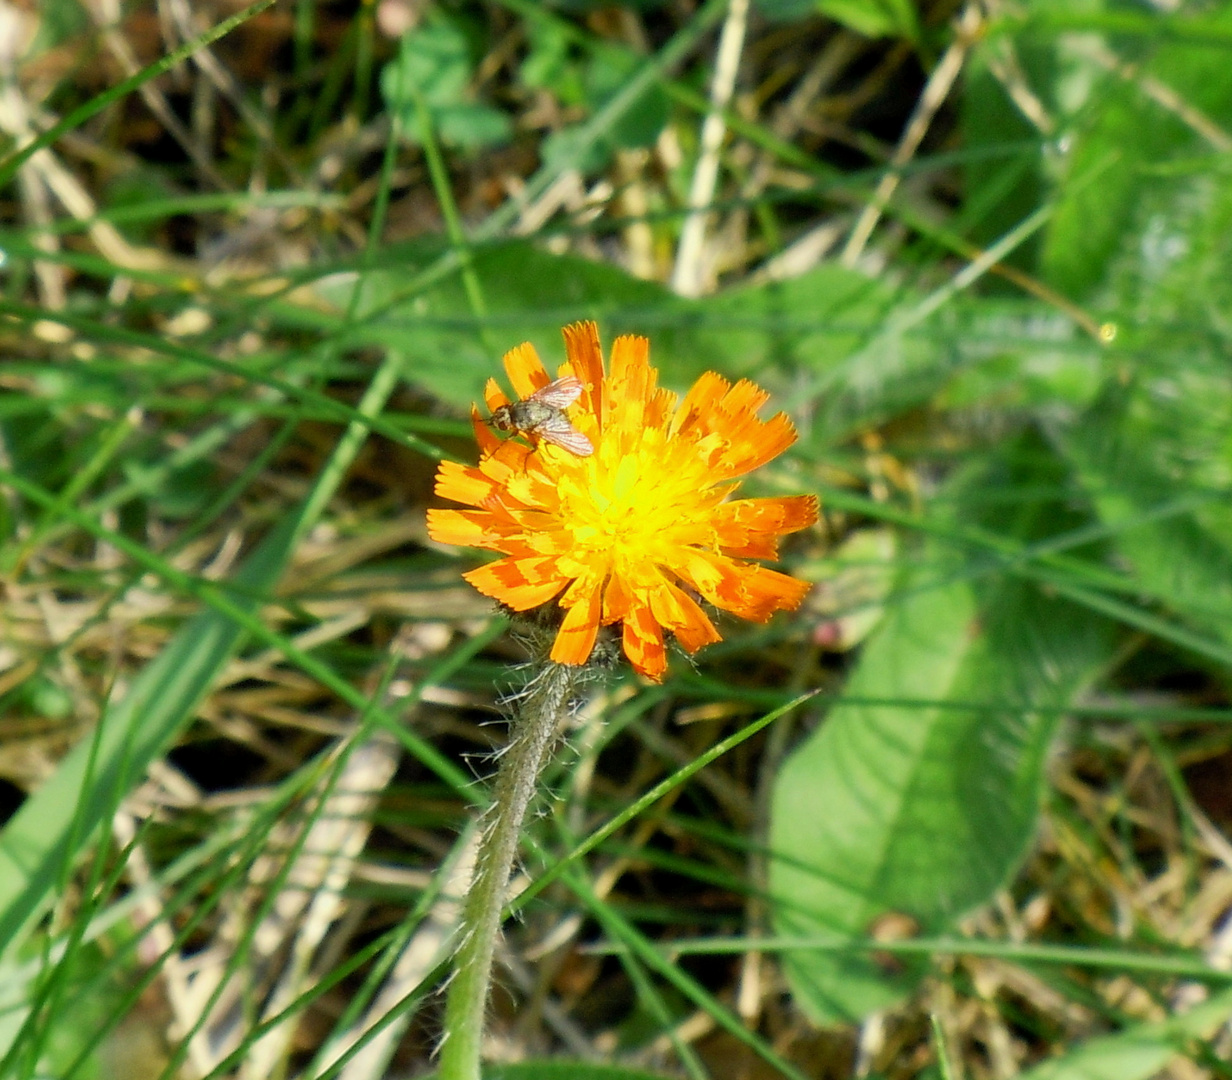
{"type": "Point", "coordinates": [629, 507]}
{"type": "Point", "coordinates": [639, 530]}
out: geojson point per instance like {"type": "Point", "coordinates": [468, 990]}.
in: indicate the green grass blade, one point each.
{"type": "Point", "coordinates": [41, 839]}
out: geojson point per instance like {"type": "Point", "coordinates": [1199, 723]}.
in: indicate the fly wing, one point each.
{"type": "Point", "coordinates": [559, 432]}
{"type": "Point", "coordinates": [559, 394]}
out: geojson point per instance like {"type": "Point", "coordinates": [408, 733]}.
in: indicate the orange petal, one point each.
{"type": "Point", "coordinates": [586, 363]}
{"type": "Point", "coordinates": [469, 528]}
{"type": "Point", "coordinates": [713, 407]}
{"type": "Point", "coordinates": [576, 638]}
{"type": "Point", "coordinates": [464, 484]}
{"type": "Point", "coordinates": [617, 599]}
{"type": "Point", "coordinates": [493, 395]}
{"type": "Point", "coordinates": [716, 577]}
{"type": "Point", "coordinates": [702, 398]}
{"type": "Point", "coordinates": [522, 583]}
{"type": "Point", "coordinates": [745, 396]}
{"type": "Point", "coordinates": [767, 591]}
{"type": "Point", "coordinates": [751, 527]}
{"type": "Point", "coordinates": [487, 441]}
{"type": "Point", "coordinates": [630, 386]}
{"type": "Point", "coordinates": [675, 464]}
{"type": "Point", "coordinates": [677, 611]}
{"type": "Point", "coordinates": [745, 589]}
{"type": "Point", "coordinates": [660, 408]}
{"type": "Point", "coordinates": [506, 461]}
{"type": "Point", "coordinates": [525, 370]}
{"type": "Point", "coordinates": [753, 443]}
{"type": "Point", "coordinates": [535, 540]}
{"type": "Point", "coordinates": [642, 640]}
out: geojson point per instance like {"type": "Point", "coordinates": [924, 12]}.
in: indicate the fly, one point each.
{"type": "Point", "coordinates": [542, 416]}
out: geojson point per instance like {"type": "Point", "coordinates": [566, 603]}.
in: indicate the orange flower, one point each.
{"type": "Point", "coordinates": [614, 535]}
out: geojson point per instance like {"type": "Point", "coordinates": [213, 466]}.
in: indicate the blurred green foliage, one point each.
{"type": "Point", "coordinates": [435, 69]}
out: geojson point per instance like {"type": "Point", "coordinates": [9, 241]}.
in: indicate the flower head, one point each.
{"type": "Point", "coordinates": [633, 531]}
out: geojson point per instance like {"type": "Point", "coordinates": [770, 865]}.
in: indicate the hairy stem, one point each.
{"type": "Point", "coordinates": [531, 738]}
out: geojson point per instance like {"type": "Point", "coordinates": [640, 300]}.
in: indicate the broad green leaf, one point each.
{"type": "Point", "coordinates": [1140, 1052]}
{"type": "Point", "coordinates": [1017, 358]}
{"type": "Point", "coordinates": [926, 809]}
{"type": "Point", "coordinates": [806, 337]}
{"type": "Point", "coordinates": [825, 338]}
{"type": "Point", "coordinates": [600, 77]}
{"type": "Point", "coordinates": [435, 62]}
{"type": "Point", "coordinates": [530, 295]}
{"type": "Point", "coordinates": [1117, 119]}
{"type": "Point", "coordinates": [1170, 281]}
{"type": "Point", "coordinates": [471, 125]}
{"type": "Point", "coordinates": [549, 64]}
{"type": "Point", "coordinates": [1139, 450]}
{"type": "Point", "coordinates": [56, 823]}
{"type": "Point", "coordinates": [435, 65]}
{"type": "Point", "coordinates": [590, 72]}
{"type": "Point", "coordinates": [813, 323]}
{"type": "Point", "coordinates": [568, 148]}
{"type": "Point", "coordinates": [839, 799]}
{"type": "Point", "coordinates": [786, 10]}
{"type": "Point", "coordinates": [606, 71]}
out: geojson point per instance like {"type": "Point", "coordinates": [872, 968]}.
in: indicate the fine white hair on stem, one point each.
{"type": "Point", "coordinates": [541, 704]}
